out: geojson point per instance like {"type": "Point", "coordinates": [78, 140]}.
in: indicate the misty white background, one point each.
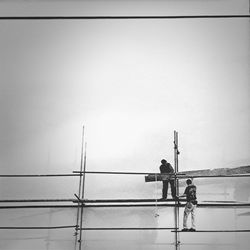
{"type": "Point", "coordinates": [131, 83]}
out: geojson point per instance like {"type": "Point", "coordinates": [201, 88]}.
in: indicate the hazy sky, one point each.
{"type": "Point", "coordinates": [131, 83]}
{"type": "Point", "coordinates": [118, 7]}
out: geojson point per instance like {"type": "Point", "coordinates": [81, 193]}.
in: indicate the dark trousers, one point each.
{"type": "Point", "coordinates": [165, 188]}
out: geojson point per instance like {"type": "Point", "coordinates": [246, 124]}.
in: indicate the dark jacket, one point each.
{"type": "Point", "coordinates": [166, 168]}
{"type": "Point", "coordinates": [190, 192]}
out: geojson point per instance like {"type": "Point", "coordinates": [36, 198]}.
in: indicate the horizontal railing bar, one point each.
{"type": "Point", "coordinates": [39, 200]}
{"type": "Point", "coordinates": [27, 228]}
{"type": "Point", "coordinates": [126, 228]}
{"type": "Point", "coordinates": [87, 201]}
{"type": "Point", "coordinates": [79, 173]}
{"type": "Point", "coordinates": [178, 175]}
{"type": "Point", "coordinates": [238, 202]}
{"type": "Point", "coordinates": [38, 206]}
{"type": "Point", "coordinates": [127, 200]}
{"type": "Point", "coordinates": [213, 205]}
{"type": "Point", "coordinates": [120, 17]}
{"type": "Point", "coordinates": [121, 173]}
{"type": "Point", "coordinates": [213, 231]}
{"type": "Point", "coordinates": [39, 175]}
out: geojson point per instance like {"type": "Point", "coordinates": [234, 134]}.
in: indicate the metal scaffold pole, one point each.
{"type": "Point", "coordinates": [79, 190]}
{"type": "Point", "coordinates": [82, 197]}
{"type": "Point", "coordinates": [176, 209]}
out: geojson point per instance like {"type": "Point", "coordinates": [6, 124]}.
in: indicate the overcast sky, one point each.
{"type": "Point", "coordinates": [130, 82]}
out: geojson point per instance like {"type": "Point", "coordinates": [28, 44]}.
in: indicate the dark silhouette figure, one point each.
{"type": "Point", "coordinates": [166, 168]}
{"type": "Point", "coordinates": [190, 207]}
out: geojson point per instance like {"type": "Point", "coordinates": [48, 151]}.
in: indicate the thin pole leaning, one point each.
{"type": "Point", "coordinates": [80, 188]}
{"type": "Point", "coordinates": [82, 196]}
{"type": "Point", "coordinates": [156, 208]}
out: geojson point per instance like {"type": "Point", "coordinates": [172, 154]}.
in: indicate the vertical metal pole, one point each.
{"type": "Point", "coordinates": [48, 236]}
{"type": "Point", "coordinates": [80, 189]}
{"type": "Point", "coordinates": [176, 210]}
{"type": "Point", "coordinates": [82, 197]}
{"type": "Point", "coordinates": [156, 208]}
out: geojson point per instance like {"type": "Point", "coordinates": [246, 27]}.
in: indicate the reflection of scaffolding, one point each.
{"type": "Point", "coordinates": [80, 202]}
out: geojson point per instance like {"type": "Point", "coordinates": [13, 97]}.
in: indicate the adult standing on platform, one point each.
{"type": "Point", "coordinates": [190, 207]}
{"type": "Point", "coordinates": [166, 168]}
